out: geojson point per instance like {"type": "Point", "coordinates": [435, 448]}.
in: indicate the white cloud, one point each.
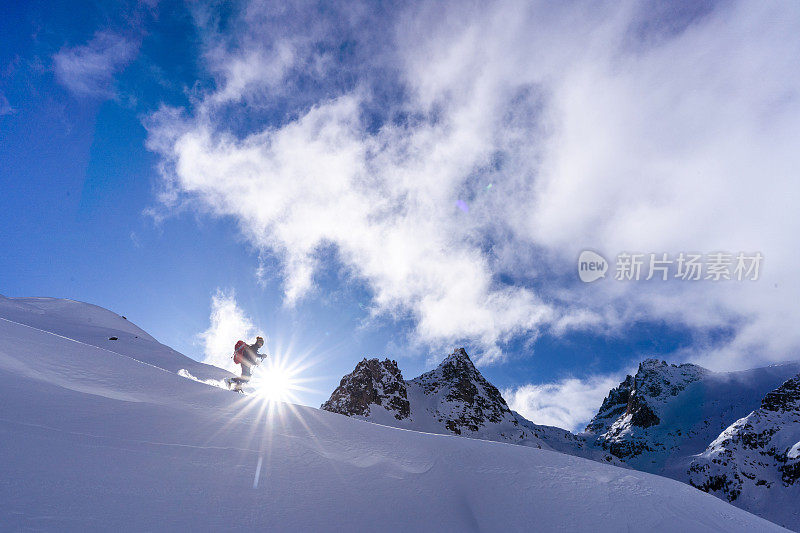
{"type": "Point", "coordinates": [254, 69]}
{"type": "Point", "coordinates": [88, 70]}
{"type": "Point", "coordinates": [591, 135]}
{"type": "Point", "coordinates": [229, 324]}
{"type": "Point", "coordinates": [318, 181]}
{"type": "Point", "coordinates": [569, 403]}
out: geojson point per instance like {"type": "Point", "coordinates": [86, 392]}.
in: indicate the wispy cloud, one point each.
{"type": "Point", "coordinates": [5, 106]}
{"type": "Point", "coordinates": [88, 70]}
{"type": "Point", "coordinates": [596, 127]}
{"type": "Point", "coordinates": [229, 323]}
{"type": "Point", "coordinates": [569, 403]}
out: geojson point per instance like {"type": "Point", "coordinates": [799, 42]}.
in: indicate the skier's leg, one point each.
{"type": "Point", "coordinates": [245, 375]}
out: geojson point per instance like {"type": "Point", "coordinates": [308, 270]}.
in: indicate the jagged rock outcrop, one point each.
{"type": "Point", "coordinates": [614, 406]}
{"type": "Point", "coordinates": [453, 398]}
{"type": "Point", "coordinates": [372, 384]}
{"type": "Point", "coordinates": [757, 458]}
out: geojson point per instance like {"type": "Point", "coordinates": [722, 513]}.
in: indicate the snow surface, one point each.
{"type": "Point", "coordinates": [97, 437]}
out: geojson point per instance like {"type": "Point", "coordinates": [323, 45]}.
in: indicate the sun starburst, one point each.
{"type": "Point", "coordinates": [277, 379]}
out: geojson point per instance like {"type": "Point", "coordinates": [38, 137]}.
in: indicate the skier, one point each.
{"type": "Point", "coordinates": [246, 355]}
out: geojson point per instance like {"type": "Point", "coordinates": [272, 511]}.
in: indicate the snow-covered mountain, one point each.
{"type": "Point", "coordinates": [671, 420]}
{"type": "Point", "coordinates": [755, 462]}
{"type": "Point", "coordinates": [454, 398]}
{"type": "Point", "coordinates": [664, 415]}
{"type": "Point", "coordinates": [637, 418]}
{"type": "Point", "coordinates": [99, 435]}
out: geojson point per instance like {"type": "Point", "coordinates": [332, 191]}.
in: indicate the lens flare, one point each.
{"type": "Point", "coordinates": [276, 381]}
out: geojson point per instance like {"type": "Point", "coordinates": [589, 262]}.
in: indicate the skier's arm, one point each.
{"type": "Point", "coordinates": [255, 357]}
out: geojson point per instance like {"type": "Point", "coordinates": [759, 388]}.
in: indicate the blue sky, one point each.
{"type": "Point", "coordinates": [362, 180]}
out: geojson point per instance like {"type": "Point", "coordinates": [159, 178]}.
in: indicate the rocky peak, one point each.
{"type": "Point", "coordinates": [642, 395]}
{"type": "Point", "coordinates": [466, 400]}
{"type": "Point", "coordinates": [638, 403]}
{"type": "Point", "coordinates": [659, 379]}
{"type": "Point", "coordinates": [653, 386]}
{"type": "Point", "coordinates": [457, 368]}
{"type": "Point", "coordinates": [458, 359]}
{"type": "Point", "coordinates": [372, 383]}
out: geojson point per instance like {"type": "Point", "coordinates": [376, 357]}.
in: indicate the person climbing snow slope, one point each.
{"type": "Point", "coordinates": [246, 355]}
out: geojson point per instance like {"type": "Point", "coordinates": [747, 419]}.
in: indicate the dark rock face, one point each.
{"type": "Point", "coordinates": [730, 486]}
{"type": "Point", "coordinates": [614, 406]}
{"type": "Point", "coordinates": [469, 402]}
{"type": "Point", "coordinates": [790, 472]}
{"type": "Point", "coordinates": [642, 415]}
{"type": "Point", "coordinates": [373, 382]}
{"type": "Point", "coordinates": [784, 398]}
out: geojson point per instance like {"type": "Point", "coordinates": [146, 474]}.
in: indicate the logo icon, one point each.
{"type": "Point", "coordinates": [591, 266]}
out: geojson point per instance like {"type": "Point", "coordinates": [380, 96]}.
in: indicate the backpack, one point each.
{"type": "Point", "coordinates": [238, 353]}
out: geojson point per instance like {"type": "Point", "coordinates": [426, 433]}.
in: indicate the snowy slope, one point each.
{"type": "Point", "coordinates": [96, 326]}
{"type": "Point", "coordinates": [92, 439]}
{"type": "Point", "coordinates": [755, 462]}
{"type": "Point", "coordinates": [659, 419]}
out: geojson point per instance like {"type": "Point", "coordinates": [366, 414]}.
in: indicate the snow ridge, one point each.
{"type": "Point", "coordinates": [95, 326]}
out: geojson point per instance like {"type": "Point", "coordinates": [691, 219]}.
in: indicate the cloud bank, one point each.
{"type": "Point", "coordinates": [229, 323]}
{"type": "Point", "coordinates": [457, 158]}
{"type": "Point", "coordinates": [569, 403]}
